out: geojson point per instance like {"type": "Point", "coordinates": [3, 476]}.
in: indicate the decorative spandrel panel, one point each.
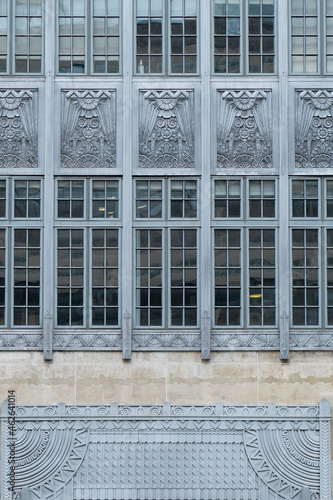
{"type": "Point", "coordinates": [244, 129]}
{"type": "Point", "coordinates": [88, 129]}
{"type": "Point", "coordinates": [18, 129]}
{"type": "Point", "coordinates": [166, 129]}
{"type": "Point", "coordinates": [165, 451]}
{"type": "Point", "coordinates": [314, 129]}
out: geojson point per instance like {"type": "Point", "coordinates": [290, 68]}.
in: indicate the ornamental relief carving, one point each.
{"type": "Point", "coordinates": [314, 129]}
{"type": "Point", "coordinates": [168, 451]}
{"type": "Point", "coordinates": [18, 129]}
{"type": "Point", "coordinates": [166, 129]}
{"type": "Point", "coordinates": [244, 129]}
{"type": "Point", "coordinates": [88, 129]}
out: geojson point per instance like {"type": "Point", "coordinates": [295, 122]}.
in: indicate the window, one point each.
{"type": "Point", "coordinates": [311, 235]}
{"type": "Point", "coordinates": [166, 36]}
{"type": "Point", "coordinates": [20, 252]}
{"type": "Point", "coordinates": [21, 48]}
{"type": "Point", "coordinates": [244, 254]}
{"type": "Point", "coordinates": [88, 257]}
{"type": "Point", "coordinates": [311, 51]}
{"type": "Point", "coordinates": [89, 36]}
{"type": "Point", "coordinates": [166, 286]}
{"type": "Point", "coordinates": [232, 34]}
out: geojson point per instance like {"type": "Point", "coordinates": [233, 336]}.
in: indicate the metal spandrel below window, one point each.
{"type": "Point", "coordinates": [191, 452]}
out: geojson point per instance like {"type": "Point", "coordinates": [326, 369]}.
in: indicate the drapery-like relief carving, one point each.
{"type": "Point", "coordinates": [166, 129]}
{"type": "Point", "coordinates": [88, 129]}
{"type": "Point", "coordinates": [18, 129]}
{"type": "Point", "coordinates": [314, 129]}
{"type": "Point", "coordinates": [244, 129]}
{"type": "Point", "coordinates": [168, 451]}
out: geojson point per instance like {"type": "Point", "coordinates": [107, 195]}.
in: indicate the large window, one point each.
{"type": "Point", "coordinates": [166, 36]}
{"type": "Point", "coordinates": [245, 253]}
{"type": "Point", "coordinates": [21, 47]}
{"type": "Point", "coordinates": [89, 36]}
{"type": "Point", "coordinates": [88, 257]}
{"type": "Point", "coordinates": [166, 246]}
{"type": "Point", "coordinates": [244, 36]}
{"type": "Point", "coordinates": [20, 252]}
{"type": "Point", "coordinates": [311, 36]}
{"type": "Point", "coordinates": [311, 251]}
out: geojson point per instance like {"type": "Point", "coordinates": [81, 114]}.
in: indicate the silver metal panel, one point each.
{"type": "Point", "coordinates": [166, 451]}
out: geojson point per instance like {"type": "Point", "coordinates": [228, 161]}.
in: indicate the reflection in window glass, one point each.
{"type": "Point", "coordinates": [27, 264]}
{"type": "Point", "coordinates": [227, 257]}
{"type": "Point", "coordinates": [70, 277]}
{"type": "Point", "coordinates": [262, 294]}
{"type": "Point", "coordinates": [305, 276]}
{"type": "Point", "coordinates": [304, 36]}
{"type": "Point", "coordinates": [104, 280]}
{"type": "Point", "coordinates": [227, 37]}
{"type": "Point", "coordinates": [28, 36]}
{"type": "Point", "coordinates": [261, 31]}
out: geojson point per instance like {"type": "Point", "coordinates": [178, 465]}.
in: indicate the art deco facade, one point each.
{"type": "Point", "coordinates": [166, 198]}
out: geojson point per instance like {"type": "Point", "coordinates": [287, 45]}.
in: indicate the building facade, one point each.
{"type": "Point", "coordinates": [166, 234]}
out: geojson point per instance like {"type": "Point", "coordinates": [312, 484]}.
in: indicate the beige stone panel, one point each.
{"type": "Point", "coordinates": [305, 379]}
{"type": "Point", "coordinates": [36, 381]}
{"type": "Point", "coordinates": [102, 378]}
{"type": "Point", "coordinates": [229, 377]}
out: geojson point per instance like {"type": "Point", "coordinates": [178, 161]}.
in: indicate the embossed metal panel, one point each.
{"type": "Point", "coordinates": [168, 452]}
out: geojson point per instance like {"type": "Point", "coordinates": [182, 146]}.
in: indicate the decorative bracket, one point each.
{"type": "Point", "coordinates": [205, 336]}
{"type": "Point", "coordinates": [127, 335]}
{"type": "Point", "coordinates": [47, 333]}
{"type": "Point", "coordinates": [284, 336]}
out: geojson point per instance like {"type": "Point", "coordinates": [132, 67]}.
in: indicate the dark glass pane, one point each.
{"type": "Point", "coordinates": [268, 45]}
{"type": "Point", "coordinates": [233, 44]}
{"type": "Point", "coordinates": [220, 26]}
{"type": "Point", "coordinates": [142, 26]}
{"type": "Point", "coordinates": [254, 25]}
{"type": "Point", "coordinates": [177, 45]}
{"type": "Point", "coordinates": [156, 27]}
{"type": "Point", "coordinates": [220, 48]}
{"type": "Point", "coordinates": [142, 45]}
{"type": "Point", "coordinates": [176, 26]}
{"type": "Point", "coordinates": [220, 64]}
{"type": "Point", "coordinates": [156, 45]}
{"type": "Point", "coordinates": [233, 64]}
{"type": "Point", "coordinates": [254, 44]}
{"type": "Point", "coordinates": [190, 27]}
{"type": "Point", "coordinates": [268, 25]}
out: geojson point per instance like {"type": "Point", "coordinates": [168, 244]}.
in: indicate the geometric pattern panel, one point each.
{"type": "Point", "coordinates": [166, 451]}
{"type": "Point", "coordinates": [166, 129]}
{"type": "Point", "coordinates": [18, 129]}
{"type": "Point", "coordinates": [314, 129]}
{"type": "Point", "coordinates": [88, 128]}
{"type": "Point", "coordinates": [244, 129]}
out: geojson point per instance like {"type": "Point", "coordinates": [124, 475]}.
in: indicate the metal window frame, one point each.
{"type": "Point", "coordinates": [166, 43]}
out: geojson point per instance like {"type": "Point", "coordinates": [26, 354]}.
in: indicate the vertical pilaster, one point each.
{"type": "Point", "coordinates": [48, 158]}
{"type": "Point", "coordinates": [205, 199]}
{"type": "Point", "coordinates": [284, 134]}
{"type": "Point", "coordinates": [128, 127]}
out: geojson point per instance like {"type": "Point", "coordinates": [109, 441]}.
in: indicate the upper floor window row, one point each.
{"type": "Point", "coordinates": [166, 36]}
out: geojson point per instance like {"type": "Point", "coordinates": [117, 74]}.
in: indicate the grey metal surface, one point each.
{"type": "Point", "coordinates": [165, 451]}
